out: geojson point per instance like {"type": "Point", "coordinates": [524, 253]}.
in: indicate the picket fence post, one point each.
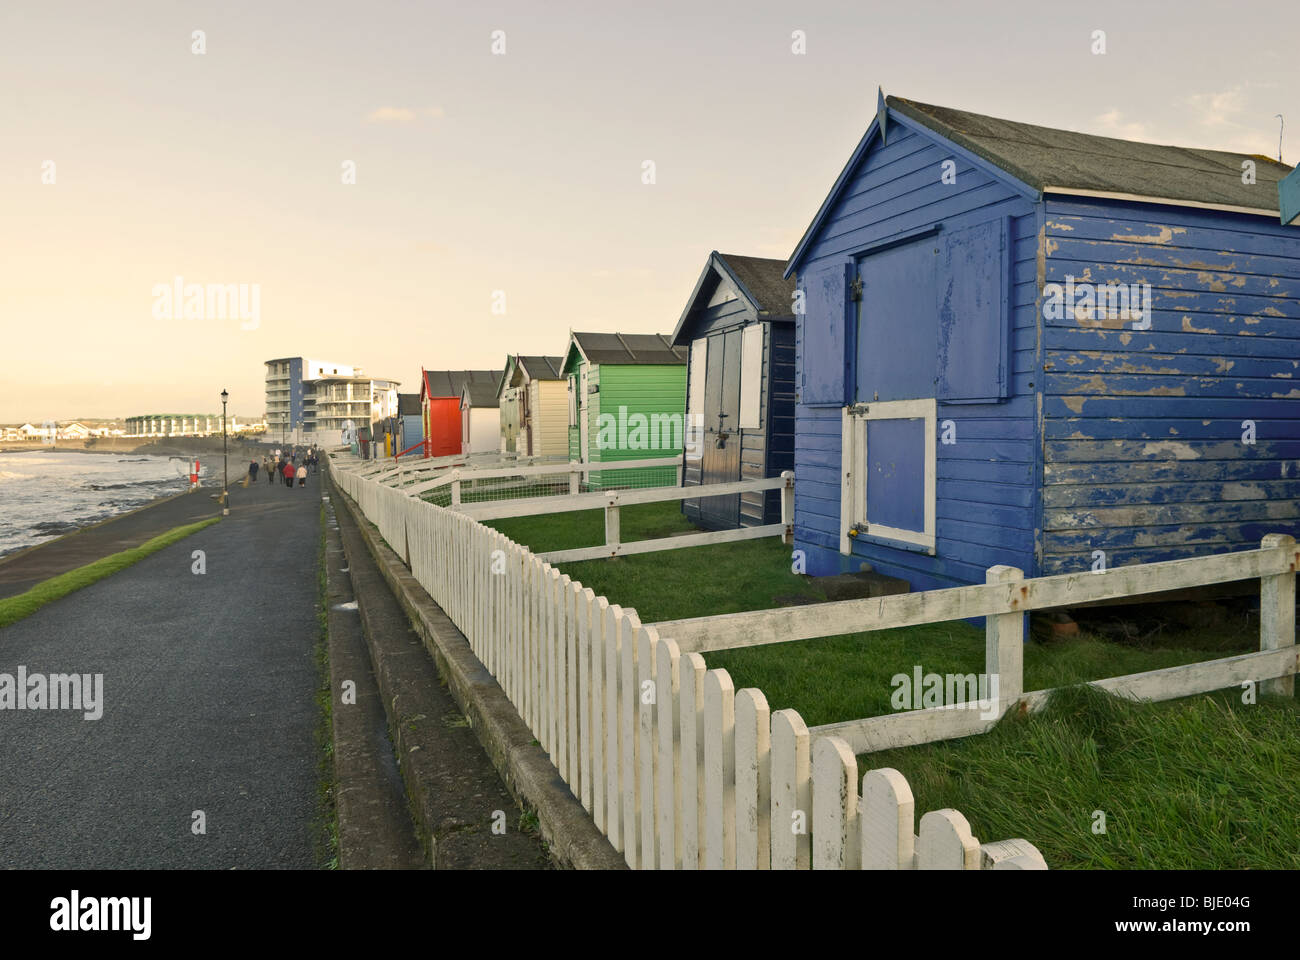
{"type": "Point", "coordinates": [835, 805]}
{"type": "Point", "coordinates": [560, 686]}
{"type": "Point", "coordinates": [719, 771]}
{"type": "Point", "coordinates": [945, 843]}
{"type": "Point", "coordinates": [668, 762]}
{"type": "Point", "coordinates": [600, 620]}
{"type": "Point", "coordinates": [586, 605]}
{"type": "Point", "coordinates": [791, 792]}
{"type": "Point", "coordinates": [613, 728]}
{"type": "Point", "coordinates": [753, 781]}
{"type": "Point", "coordinates": [628, 735]}
{"type": "Point", "coordinates": [692, 669]}
{"type": "Point", "coordinates": [576, 626]}
{"type": "Point", "coordinates": [647, 700]}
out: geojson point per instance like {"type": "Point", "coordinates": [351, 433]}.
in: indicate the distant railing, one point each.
{"type": "Point", "coordinates": [610, 501]}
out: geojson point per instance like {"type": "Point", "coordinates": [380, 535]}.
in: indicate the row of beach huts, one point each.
{"type": "Point", "coordinates": [995, 343]}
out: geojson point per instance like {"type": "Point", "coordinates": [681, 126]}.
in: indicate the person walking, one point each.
{"type": "Point", "coordinates": [302, 475]}
{"type": "Point", "coordinates": [252, 471]}
{"type": "Point", "coordinates": [288, 474]}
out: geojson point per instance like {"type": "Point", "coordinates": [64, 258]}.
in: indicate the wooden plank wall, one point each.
{"type": "Point", "coordinates": [1143, 429]}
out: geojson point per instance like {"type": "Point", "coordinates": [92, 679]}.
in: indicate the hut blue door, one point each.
{"type": "Point", "coordinates": [720, 453]}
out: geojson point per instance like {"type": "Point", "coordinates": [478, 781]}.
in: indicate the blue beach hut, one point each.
{"type": "Point", "coordinates": [1021, 345]}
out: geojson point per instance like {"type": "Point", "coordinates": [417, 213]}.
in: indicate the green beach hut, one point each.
{"type": "Point", "coordinates": [627, 401]}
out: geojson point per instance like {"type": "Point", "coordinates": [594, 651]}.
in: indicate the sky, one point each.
{"type": "Point", "coordinates": [128, 158]}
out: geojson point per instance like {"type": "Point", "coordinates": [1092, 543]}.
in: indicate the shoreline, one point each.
{"type": "Point", "coordinates": [238, 454]}
{"type": "Point", "coordinates": [177, 448]}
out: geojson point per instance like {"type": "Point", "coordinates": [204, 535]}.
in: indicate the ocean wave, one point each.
{"type": "Point", "coordinates": [11, 475]}
{"type": "Point", "coordinates": [128, 485]}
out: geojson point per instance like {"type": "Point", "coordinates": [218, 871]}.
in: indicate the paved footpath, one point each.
{"type": "Point", "coordinates": [209, 705]}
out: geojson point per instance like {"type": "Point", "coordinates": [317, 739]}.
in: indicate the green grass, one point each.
{"type": "Point", "coordinates": [13, 609]}
{"type": "Point", "coordinates": [327, 816]}
{"type": "Point", "coordinates": [670, 584]}
{"type": "Point", "coordinates": [1203, 782]}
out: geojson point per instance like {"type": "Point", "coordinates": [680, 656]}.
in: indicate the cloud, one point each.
{"type": "Point", "coordinates": [1228, 117]}
{"type": "Point", "coordinates": [403, 115]}
{"type": "Point", "coordinates": [1113, 124]}
{"type": "Point", "coordinates": [1218, 109]}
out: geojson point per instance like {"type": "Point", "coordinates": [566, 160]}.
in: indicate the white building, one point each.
{"type": "Point", "coordinates": [329, 402]}
{"type": "Point", "coordinates": [286, 394]}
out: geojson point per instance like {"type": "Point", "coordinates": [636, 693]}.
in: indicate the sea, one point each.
{"type": "Point", "coordinates": [47, 493]}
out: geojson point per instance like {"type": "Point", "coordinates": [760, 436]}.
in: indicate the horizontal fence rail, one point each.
{"type": "Point", "coordinates": [678, 769]}
{"type": "Point", "coordinates": [1003, 601]}
{"type": "Point", "coordinates": [610, 501]}
{"type": "Point", "coordinates": [756, 627]}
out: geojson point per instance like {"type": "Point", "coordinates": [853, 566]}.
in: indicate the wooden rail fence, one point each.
{"type": "Point", "coordinates": [610, 501]}
{"type": "Point", "coordinates": [1002, 601]}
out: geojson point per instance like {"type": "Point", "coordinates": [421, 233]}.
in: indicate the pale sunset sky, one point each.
{"type": "Point", "coordinates": [519, 172]}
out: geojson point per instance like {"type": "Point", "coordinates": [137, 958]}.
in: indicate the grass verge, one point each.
{"type": "Point", "coordinates": [1096, 782]}
{"type": "Point", "coordinates": [15, 608]}
{"type": "Point", "coordinates": [327, 815]}
{"type": "Point", "coordinates": [1206, 782]}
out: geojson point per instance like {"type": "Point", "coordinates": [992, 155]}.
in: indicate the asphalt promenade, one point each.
{"type": "Point", "coordinates": [209, 710]}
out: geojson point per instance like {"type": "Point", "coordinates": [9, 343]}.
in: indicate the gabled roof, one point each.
{"type": "Point", "coordinates": [542, 368]}
{"type": "Point", "coordinates": [628, 348]}
{"type": "Point", "coordinates": [1049, 160]}
{"type": "Point", "coordinates": [758, 279]}
{"type": "Point", "coordinates": [408, 404]}
{"type": "Point", "coordinates": [479, 393]}
{"type": "Point", "coordinates": [448, 383]}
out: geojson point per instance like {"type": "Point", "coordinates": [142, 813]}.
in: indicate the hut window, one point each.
{"type": "Point", "coordinates": [573, 401]}
{"type": "Point", "coordinates": [887, 491]}
{"type": "Point", "coordinates": [751, 377]}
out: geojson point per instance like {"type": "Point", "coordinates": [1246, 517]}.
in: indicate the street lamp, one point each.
{"type": "Point", "coordinates": [225, 460]}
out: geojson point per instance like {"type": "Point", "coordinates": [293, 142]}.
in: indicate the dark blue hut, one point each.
{"type": "Point", "coordinates": [739, 326]}
{"type": "Point", "coordinates": [1027, 346]}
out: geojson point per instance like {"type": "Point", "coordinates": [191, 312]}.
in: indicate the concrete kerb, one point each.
{"type": "Point", "coordinates": [524, 766]}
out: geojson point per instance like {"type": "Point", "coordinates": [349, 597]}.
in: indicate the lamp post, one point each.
{"type": "Point", "coordinates": [225, 460]}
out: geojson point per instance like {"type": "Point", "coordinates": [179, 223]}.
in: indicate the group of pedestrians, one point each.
{"type": "Point", "coordinates": [291, 464]}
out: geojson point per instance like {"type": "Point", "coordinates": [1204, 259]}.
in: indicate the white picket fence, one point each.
{"type": "Point", "coordinates": [677, 768]}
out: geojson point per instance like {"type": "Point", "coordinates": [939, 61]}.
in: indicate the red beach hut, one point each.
{"type": "Point", "coordinates": [440, 392]}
